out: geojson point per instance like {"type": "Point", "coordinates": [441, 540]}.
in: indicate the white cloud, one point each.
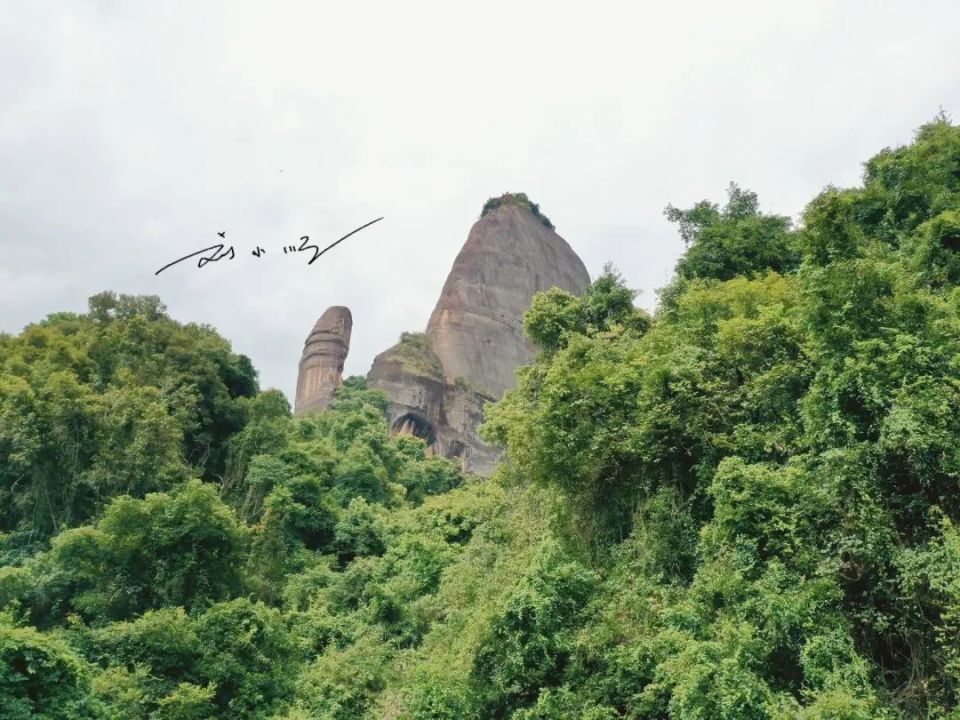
{"type": "Point", "coordinates": [131, 133]}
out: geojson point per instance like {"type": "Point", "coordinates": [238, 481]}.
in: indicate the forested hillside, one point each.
{"type": "Point", "coordinates": [745, 506]}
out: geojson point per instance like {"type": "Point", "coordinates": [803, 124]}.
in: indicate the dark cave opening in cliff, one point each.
{"type": "Point", "coordinates": [412, 424]}
{"type": "Point", "coordinates": [456, 449]}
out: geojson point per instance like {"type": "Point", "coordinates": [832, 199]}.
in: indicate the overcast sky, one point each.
{"type": "Point", "coordinates": [132, 132]}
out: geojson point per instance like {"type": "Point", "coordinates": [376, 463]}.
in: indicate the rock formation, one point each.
{"type": "Point", "coordinates": [476, 329]}
{"type": "Point", "coordinates": [321, 364]}
{"type": "Point", "coordinates": [422, 404]}
{"type": "Point", "coordinates": [439, 382]}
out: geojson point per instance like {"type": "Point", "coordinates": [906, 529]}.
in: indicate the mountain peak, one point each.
{"type": "Point", "coordinates": [509, 199]}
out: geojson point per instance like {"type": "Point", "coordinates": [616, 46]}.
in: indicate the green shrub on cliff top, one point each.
{"type": "Point", "coordinates": [520, 200]}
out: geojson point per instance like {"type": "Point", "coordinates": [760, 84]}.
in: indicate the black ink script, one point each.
{"type": "Point", "coordinates": [317, 253]}
{"type": "Point", "coordinates": [216, 252]}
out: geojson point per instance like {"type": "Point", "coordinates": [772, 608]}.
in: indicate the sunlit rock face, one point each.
{"type": "Point", "coordinates": [440, 381]}
{"type": "Point", "coordinates": [476, 329]}
{"type": "Point", "coordinates": [321, 364]}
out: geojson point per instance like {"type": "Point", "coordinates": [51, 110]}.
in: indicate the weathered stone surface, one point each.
{"type": "Point", "coordinates": [476, 329]}
{"type": "Point", "coordinates": [438, 383]}
{"type": "Point", "coordinates": [463, 413]}
{"type": "Point", "coordinates": [444, 416]}
{"type": "Point", "coordinates": [321, 364]}
{"type": "Point", "coordinates": [412, 377]}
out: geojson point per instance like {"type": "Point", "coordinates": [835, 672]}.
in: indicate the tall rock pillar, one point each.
{"type": "Point", "coordinates": [321, 365]}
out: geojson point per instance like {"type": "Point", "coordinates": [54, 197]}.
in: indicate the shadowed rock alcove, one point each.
{"type": "Point", "coordinates": [412, 424]}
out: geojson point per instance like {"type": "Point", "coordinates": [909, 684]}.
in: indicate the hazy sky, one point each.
{"type": "Point", "coordinates": [132, 132]}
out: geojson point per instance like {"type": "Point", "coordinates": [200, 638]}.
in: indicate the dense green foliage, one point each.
{"type": "Point", "coordinates": [746, 506]}
{"type": "Point", "coordinates": [520, 200]}
{"type": "Point", "coordinates": [737, 240]}
{"type": "Point", "coordinates": [121, 400]}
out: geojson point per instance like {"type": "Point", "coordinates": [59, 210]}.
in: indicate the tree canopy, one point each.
{"type": "Point", "coordinates": [744, 506]}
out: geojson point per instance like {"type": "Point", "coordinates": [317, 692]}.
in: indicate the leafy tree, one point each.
{"type": "Point", "coordinates": [106, 403]}
{"type": "Point", "coordinates": [529, 643]}
{"type": "Point", "coordinates": [744, 506]}
{"type": "Point", "coordinates": [735, 240]}
{"type": "Point", "coordinates": [178, 549]}
{"type": "Point", "coordinates": [41, 677]}
{"type": "Point", "coordinates": [236, 659]}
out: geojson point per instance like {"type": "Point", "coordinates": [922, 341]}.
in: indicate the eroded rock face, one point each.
{"type": "Point", "coordinates": [412, 377]}
{"type": "Point", "coordinates": [439, 382]}
{"type": "Point", "coordinates": [444, 416]}
{"type": "Point", "coordinates": [476, 329]}
{"type": "Point", "coordinates": [321, 364]}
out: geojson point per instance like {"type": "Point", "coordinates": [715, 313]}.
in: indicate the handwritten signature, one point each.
{"type": "Point", "coordinates": [215, 253]}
